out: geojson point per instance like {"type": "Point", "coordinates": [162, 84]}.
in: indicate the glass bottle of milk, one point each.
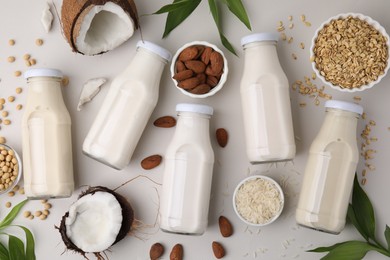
{"type": "Point", "coordinates": [265, 102]}
{"type": "Point", "coordinates": [129, 103]}
{"type": "Point", "coordinates": [330, 169]}
{"type": "Point", "coordinates": [189, 161]}
{"type": "Point", "coordinates": [46, 137]}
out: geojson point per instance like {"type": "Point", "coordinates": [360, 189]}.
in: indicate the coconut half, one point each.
{"type": "Point", "coordinates": [97, 220]}
{"type": "Point", "coordinates": [96, 26]}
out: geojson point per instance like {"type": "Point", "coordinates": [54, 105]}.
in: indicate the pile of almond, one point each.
{"type": "Point", "coordinates": [198, 69]}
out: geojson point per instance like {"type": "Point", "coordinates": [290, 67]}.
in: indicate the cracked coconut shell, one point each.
{"type": "Point", "coordinates": [96, 26]}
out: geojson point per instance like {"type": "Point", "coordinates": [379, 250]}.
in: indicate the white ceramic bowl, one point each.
{"type": "Point", "coordinates": [19, 176]}
{"type": "Point", "coordinates": [370, 21]}
{"type": "Point", "coordinates": [222, 80]}
{"type": "Point", "coordinates": [279, 189]}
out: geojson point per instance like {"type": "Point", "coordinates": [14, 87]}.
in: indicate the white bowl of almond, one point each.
{"type": "Point", "coordinates": [350, 52]}
{"type": "Point", "coordinates": [199, 69]}
{"type": "Point", "coordinates": [258, 200]}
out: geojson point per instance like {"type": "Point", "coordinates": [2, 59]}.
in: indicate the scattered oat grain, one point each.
{"type": "Point", "coordinates": [308, 24]}
{"type": "Point", "coordinates": [290, 39]}
{"type": "Point", "coordinates": [8, 204]}
{"type": "Point", "coordinates": [364, 180]}
{"type": "Point", "coordinates": [291, 25]}
{"type": "Point", "coordinates": [11, 59]}
{"type": "Point", "coordinates": [302, 45]}
{"type": "Point", "coordinates": [294, 56]}
{"type": "Point", "coordinates": [303, 18]}
{"type": "Point", "coordinates": [39, 42]}
{"type": "Point", "coordinates": [283, 36]}
{"type": "Point", "coordinates": [302, 104]}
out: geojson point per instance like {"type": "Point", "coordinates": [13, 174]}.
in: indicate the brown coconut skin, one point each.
{"type": "Point", "coordinates": [72, 10]}
{"type": "Point", "coordinates": [127, 216]}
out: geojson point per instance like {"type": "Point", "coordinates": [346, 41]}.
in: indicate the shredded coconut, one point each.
{"type": "Point", "coordinates": [258, 201]}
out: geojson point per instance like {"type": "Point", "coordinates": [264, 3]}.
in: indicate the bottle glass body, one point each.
{"type": "Point", "coordinates": [329, 173]}
{"type": "Point", "coordinates": [187, 177]}
{"type": "Point", "coordinates": [266, 107]}
{"type": "Point", "coordinates": [123, 116]}
{"type": "Point", "coordinates": [47, 144]}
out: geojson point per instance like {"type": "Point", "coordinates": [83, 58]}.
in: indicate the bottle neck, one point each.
{"type": "Point", "coordinates": [194, 123]}
{"type": "Point", "coordinates": [263, 55]}
{"type": "Point", "coordinates": [340, 122]}
{"type": "Point", "coordinates": [44, 87]}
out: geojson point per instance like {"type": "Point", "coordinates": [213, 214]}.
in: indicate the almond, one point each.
{"type": "Point", "coordinates": [210, 72]}
{"type": "Point", "coordinates": [225, 226]}
{"type": "Point", "coordinates": [156, 251]}
{"type": "Point", "coordinates": [205, 57]}
{"type": "Point", "coordinates": [177, 252]}
{"type": "Point", "coordinates": [218, 250]}
{"type": "Point", "coordinates": [222, 137]}
{"type": "Point", "coordinates": [182, 75]}
{"type": "Point", "coordinates": [188, 53]}
{"type": "Point", "coordinates": [180, 66]}
{"type": "Point", "coordinates": [200, 51]}
{"type": "Point", "coordinates": [216, 62]}
{"type": "Point", "coordinates": [195, 65]}
{"type": "Point", "coordinates": [212, 81]}
{"type": "Point", "coordinates": [200, 89]}
{"type": "Point", "coordinates": [189, 83]}
{"type": "Point", "coordinates": [151, 162]}
{"type": "Point", "coordinates": [165, 122]}
{"type": "Point", "coordinates": [201, 77]}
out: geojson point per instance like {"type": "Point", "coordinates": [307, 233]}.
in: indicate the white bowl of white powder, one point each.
{"type": "Point", "coordinates": [258, 200]}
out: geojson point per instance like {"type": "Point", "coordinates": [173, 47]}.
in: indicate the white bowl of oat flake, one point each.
{"type": "Point", "coordinates": [258, 200]}
{"type": "Point", "coordinates": [350, 52]}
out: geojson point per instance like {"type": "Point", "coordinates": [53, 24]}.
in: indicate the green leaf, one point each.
{"type": "Point", "coordinates": [352, 217]}
{"type": "Point", "coordinates": [4, 255]}
{"type": "Point", "coordinates": [30, 244]}
{"type": "Point", "coordinates": [16, 248]}
{"type": "Point", "coordinates": [363, 209]}
{"type": "Point", "coordinates": [177, 16]}
{"type": "Point", "coordinates": [238, 9]}
{"type": "Point", "coordinates": [172, 7]}
{"type": "Point", "coordinates": [214, 11]}
{"type": "Point", "coordinates": [12, 214]}
{"type": "Point", "coordinates": [324, 249]}
{"type": "Point", "coordinates": [387, 236]}
{"type": "Point", "coordinates": [351, 250]}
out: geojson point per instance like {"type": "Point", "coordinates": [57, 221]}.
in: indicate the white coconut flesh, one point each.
{"type": "Point", "coordinates": [104, 28]}
{"type": "Point", "coordinates": [94, 222]}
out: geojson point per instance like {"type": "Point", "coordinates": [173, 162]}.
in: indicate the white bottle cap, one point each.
{"type": "Point", "coordinates": [160, 51]}
{"type": "Point", "coordinates": [259, 37]}
{"type": "Point", "coordinates": [43, 73]}
{"type": "Point", "coordinates": [343, 105]}
{"type": "Point", "coordinates": [196, 108]}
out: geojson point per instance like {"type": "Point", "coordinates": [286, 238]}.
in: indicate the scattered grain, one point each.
{"type": "Point", "coordinates": [8, 204]}
{"type": "Point", "coordinates": [290, 18]}
{"type": "Point", "coordinates": [2, 140]}
{"type": "Point", "coordinates": [17, 73]}
{"type": "Point", "coordinates": [26, 214]}
{"type": "Point", "coordinates": [33, 62]}
{"type": "Point", "coordinates": [43, 217]}
{"type": "Point", "coordinates": [21, 191]}
{"type": "Point", "coordinates": [283, 36]}
{"type": "Point", "coordinates": [65, 81]}
{"type": "Point", "coordinates": [31, 217]}
{"type": "Point", "coordinates": [290, 39]}
{"type": "Point", "coordinates": [18, 90]}
{"type": "Point", "coordinates": [308, 24]}
{"type": "Point", "coordinates": [11, 59]}
{"type": "Point", "coordinates": [28, 63]}
{"type": "Point", "coordinates": [26, 56]}
{"type": "Point", "coordinates": [302, 104]}
{"type": "Point", "coordinates": [11, 194]}
{"type": "Point", "coordinates": [43, 201]}
{"type": "Point", "coordinates": [11, 99]}
{"type": "Point", "coordinates": [37, 213]}
{"type": "Point", "coordinates": [357, 98]}
{"type": "Point", "coordinates": [2, 101]}
{"type": "Point", "coordinates": [4, 113]}
{"type": "Point", "coordinates": [291, 25]}
{"type": "Point", "coordinates": [364, 180]}
{"type": "Point", "coordinates": [364, 172]}
{"type": "Point", "coordinates": [47, 206]}
{"type": "Point", "coordinates": [303, 18]}
{"type": "Point", "coordinates": [294, 56]}
{"type": "Point", "coordinates": [7, 122]}
{"type": "Point", "coordinates": [46, 212]}
{"type": "Point", "coordinates": [16, 188]}
{"type": "Point", "coordinates": [11, 42]}
{"type": "Point", "coordinates": [302, 45]}
{"type": "Point", "coordinates": [19, 107]}
{"type": "Point", "coordinates": [39, 42]}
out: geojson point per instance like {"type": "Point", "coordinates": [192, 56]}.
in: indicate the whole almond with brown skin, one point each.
{"type": "Point", "coordinates": [156, 251]}
{"type": "Point", "coordinates": [205, 57]}
{"type": "Point", "coordinates": [189, 83]}
{"type": "Point", "coordinates": [201, 77]}
{"type": "Point", "coordinates": [200, 51]}
{"type": "Point", "coordinates": [182, 75]}
{"type": "Point", "coordinates": [216, 62]}
{"type": "Point", "coordinates": [165, 122]}
{"type": "Point", "coordinates": [195, 65]}
{"type": "Point", "coordinates": [151, 162]}
{"type": "Point", "coordinates": [177, 252]}
{"type": "Point", "coordinates": [218, 250]}
{"type": "Point", "coordinates": [188, 53]}
{"type": "Point", "coordinates": [225, 226]}
{"type": "Point", "coordinates": [222, 137]}
{"type": "Point", "coordinates": [180, 66]}
{"type": "Point", "coordinates": [200, 89]}
{"type": "Point", "coordinates": [212, 81]}
{"type": "Point", "coordinates": [210, 72]}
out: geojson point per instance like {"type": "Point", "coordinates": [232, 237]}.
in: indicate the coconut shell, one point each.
{"type": "Point", "coordinates": [73, 11]}
{"type": "Point", "coordinates": [127, 216]}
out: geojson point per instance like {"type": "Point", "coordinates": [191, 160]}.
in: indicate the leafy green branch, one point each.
{"type": "Point", "coordinates": [16, 249]}
{"type": "Point", "coordinates": [361, 215]}
{"type": "Point", "coordinates": [180, 10]}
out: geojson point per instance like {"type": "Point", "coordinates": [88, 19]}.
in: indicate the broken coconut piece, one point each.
{"type": "Point", "coordinates": [47, 18]}
{"type": "Point", "coordinates": [97, 220]}
{"type": "Point", "coordinates": [90, 89]}
{"type": "Point", "coordinates": [96, 26]}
